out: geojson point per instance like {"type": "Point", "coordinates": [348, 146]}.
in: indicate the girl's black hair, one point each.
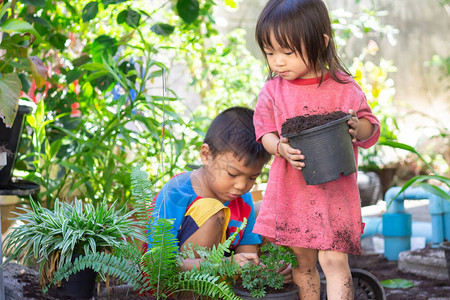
{"type": "Point", "coordinates": [233, 131]}
{"type": "Point", "coordinates": [301, 22]}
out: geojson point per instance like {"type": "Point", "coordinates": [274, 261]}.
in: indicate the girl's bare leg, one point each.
{"type": "Point", "coordinates": [305, 275]}
{"type": "Point", "coordinates": [337, 273]}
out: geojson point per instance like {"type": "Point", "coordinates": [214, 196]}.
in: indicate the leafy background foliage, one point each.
{"type": "Point", "coordinates": [94, 71]}
{"type": "Point", "coordinates": [99, 101]}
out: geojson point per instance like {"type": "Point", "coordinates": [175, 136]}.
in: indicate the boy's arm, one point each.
{"type": "Point", "coordinates": [245, 254]}
{"type": "Point", "coordinates": [241, 256]}
{"type": "Point", "coordinates": [246, 249]}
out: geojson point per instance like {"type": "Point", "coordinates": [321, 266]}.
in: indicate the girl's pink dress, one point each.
{"type": "Point", "coordinates": [325, 216]}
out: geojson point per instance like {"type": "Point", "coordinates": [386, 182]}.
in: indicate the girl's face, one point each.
{"type": "Point", "coordinates": [286, 63]}
{"type": "Point", "coordinates": [226, 177]}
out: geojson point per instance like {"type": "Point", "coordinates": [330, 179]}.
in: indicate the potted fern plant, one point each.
{"type": "Point", "coordinates": [53, 238]}
{"type": "Point", "coordinates": [158, 272]}
{"type": "Point", "coordinates": [263, 280]}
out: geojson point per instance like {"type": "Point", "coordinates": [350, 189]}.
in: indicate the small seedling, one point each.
{"type": "Point", "coordinates": [256, 278]}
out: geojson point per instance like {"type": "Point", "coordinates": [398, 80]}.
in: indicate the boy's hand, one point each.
{"type": "Point", "coordinates": [244, 258]}
{"type": "Point", "coordinates": [292, 155]}
{"type": "Point", "coordinates": [354, 125]}
{"type": "Point", "coordinates": [286, 271]}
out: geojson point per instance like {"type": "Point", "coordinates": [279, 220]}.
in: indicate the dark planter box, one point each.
{"type": "Point", "coordinates": [10, 139]}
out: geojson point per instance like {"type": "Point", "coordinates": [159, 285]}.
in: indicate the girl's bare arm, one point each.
{"type": "Point", "coordinates": [271, 141]}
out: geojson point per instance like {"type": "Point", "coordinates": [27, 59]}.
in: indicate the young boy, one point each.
{"type": "Point", "coordinates": [210, 203]}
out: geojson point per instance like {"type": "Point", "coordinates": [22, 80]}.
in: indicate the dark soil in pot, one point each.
{"type": "Point", "coordinates": [326, 143]}
{"type": "Point", "coordinates": [301, 123]}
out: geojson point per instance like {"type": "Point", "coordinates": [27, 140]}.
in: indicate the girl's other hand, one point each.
{"type": "Point", "coordinates": [292, 155]}
{"type": "Point", "coordinates": [354, 125]}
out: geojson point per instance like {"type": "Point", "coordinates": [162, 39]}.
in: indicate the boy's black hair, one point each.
{"type": "Point", "coordinates": [233, 131]}
{"type": "Point", "coordinates": [301, 22]}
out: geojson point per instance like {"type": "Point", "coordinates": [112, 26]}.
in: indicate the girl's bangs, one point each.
{"type": "Point", "coordinates": [282, 33]}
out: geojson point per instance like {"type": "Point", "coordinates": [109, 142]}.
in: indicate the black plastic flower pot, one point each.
{"type": "Point", "coordinates": [284, 294]}
{"type": "Point", "coordinates": [10, 140]}
{"type": "Point", "coordinates": [80, 285]}
{"type": "Point", "coordinates": [328, 151]}
{"type": "Point", "coordinates": [365, 286]}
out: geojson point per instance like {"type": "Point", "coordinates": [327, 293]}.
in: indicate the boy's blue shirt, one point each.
{"type": "Point", "coordinates": [178, 194]}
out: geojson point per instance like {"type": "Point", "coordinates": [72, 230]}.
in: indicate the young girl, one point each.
{"type": "Point", "coordinates": [319, 222]}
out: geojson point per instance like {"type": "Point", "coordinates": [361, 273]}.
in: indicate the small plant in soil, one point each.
{"type": "Point", "coordinates": [258, 279]}
{"type": "Point", "coordinates": [295, 125]}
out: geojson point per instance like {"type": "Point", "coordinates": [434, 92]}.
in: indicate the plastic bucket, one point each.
{"type": "Point", "coordinates": [328, 151]}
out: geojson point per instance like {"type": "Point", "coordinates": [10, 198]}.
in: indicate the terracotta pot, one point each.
{"type": "Point", "coordinates": [328, 151]}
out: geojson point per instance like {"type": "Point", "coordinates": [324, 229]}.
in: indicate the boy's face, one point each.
{"type": "Point", "coordinates": [226, 177]}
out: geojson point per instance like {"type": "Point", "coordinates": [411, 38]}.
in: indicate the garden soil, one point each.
{"type": "Point", "coordinates": [423, 289]}
{"type": "Point", "coordinates": [376, 264]}
{"type": "Point", "coordinates": [294, 126]}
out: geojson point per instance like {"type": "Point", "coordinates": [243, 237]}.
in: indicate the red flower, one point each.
{"type": "Point", "coordinates": [76, 113]}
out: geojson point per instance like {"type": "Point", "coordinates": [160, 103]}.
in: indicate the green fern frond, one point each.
{"type": "Point", "coordinates": [161, 261]}
{"type": "Point", "coordinates": [131, 252]}
{"type": "Point", "coordinates": [103, 263]}
{"type": "Point", "coordinates": [142, 193]}
{"type": "Point", "coordinates": [212, 259]}
{"type": "Point", "coordinates": [202, 284]}
{"type": "Point", "coordinates": [216, 254]}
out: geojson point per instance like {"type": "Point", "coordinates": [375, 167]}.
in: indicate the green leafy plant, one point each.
{"type": "Point", "coordinates": [379, 90]}
{"type": "Point", "coordinates": [158, 271]}
{"type": "Point", "coordinates": [16, 62]}
{"type": "Point", "coordinates": [50, 238]}
{"type": "Point", "coordinates": [427, 182]}
{"type": "Point", "coordinates": [372, 75]}
{"type": "Point", "coordinates": [257, 278]}
{"type": "Point", "coordinates": [103, 109]}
